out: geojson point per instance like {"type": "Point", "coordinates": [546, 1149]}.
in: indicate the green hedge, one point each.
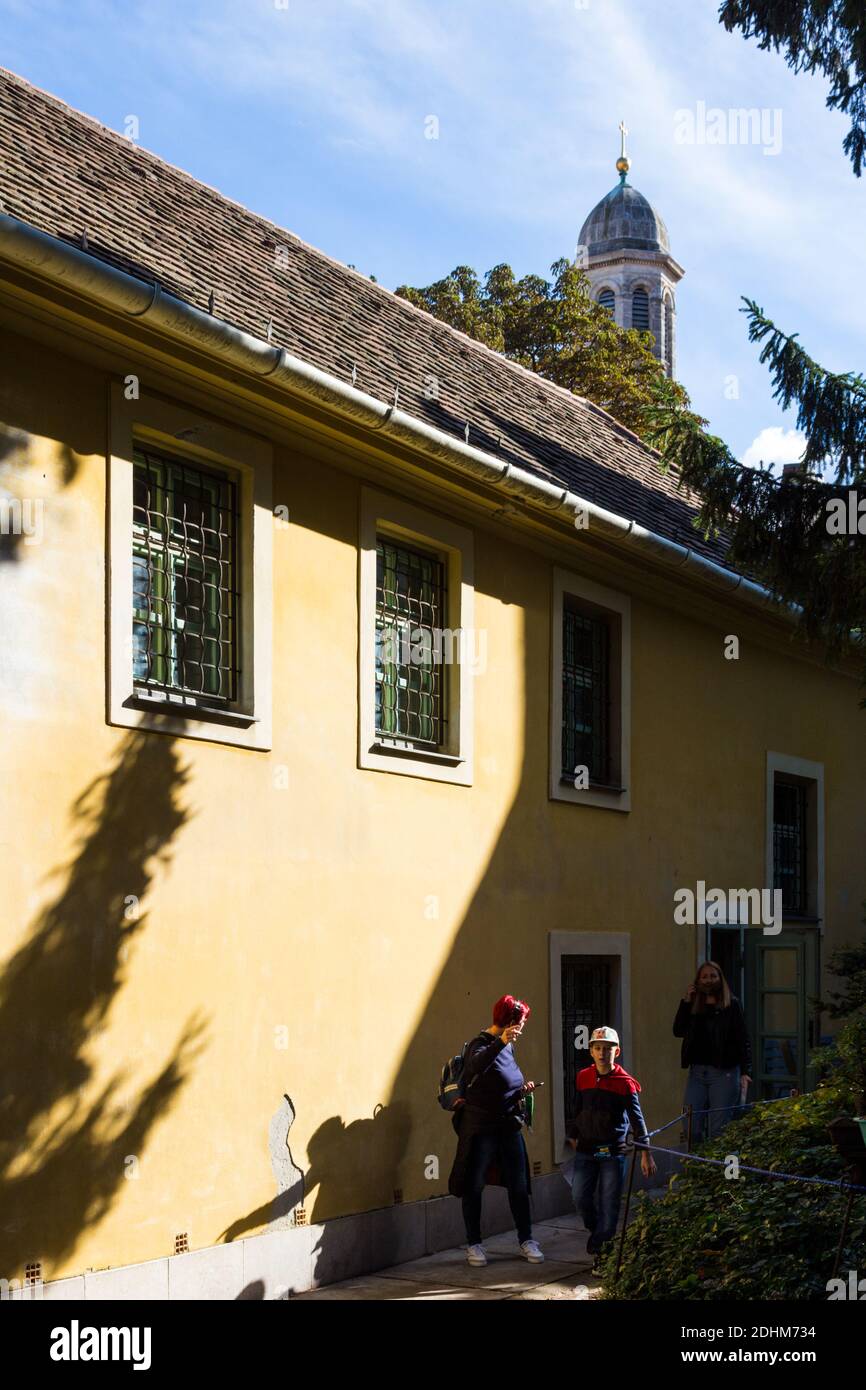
{"type": "Point", "coordinates": [712, 1237]}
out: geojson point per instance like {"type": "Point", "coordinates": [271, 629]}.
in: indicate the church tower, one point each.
{"type": "Point", "coordinates": [625, 250]}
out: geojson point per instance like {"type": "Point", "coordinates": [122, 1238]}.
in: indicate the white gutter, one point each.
{"type": "Point", "coordinates": [64, 265]}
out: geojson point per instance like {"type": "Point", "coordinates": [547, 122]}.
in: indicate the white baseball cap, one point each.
{"type": "Point", "coordinates": [605, 1035]}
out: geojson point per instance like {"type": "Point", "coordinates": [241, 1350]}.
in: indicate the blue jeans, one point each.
{"type": "Point", "coordinates": [709, 1088]}
{"type": "Point", "coordinates": [596, 1189]}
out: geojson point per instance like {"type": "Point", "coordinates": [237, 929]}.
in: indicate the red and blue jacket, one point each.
{"type": "Point", "coordinates": [607, 1108]}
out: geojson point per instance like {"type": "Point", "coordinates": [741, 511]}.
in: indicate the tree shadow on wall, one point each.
{"type": "Point", "coordinates": [21, 519]}
{"type": "Point", "coordinates": [63, 1159]}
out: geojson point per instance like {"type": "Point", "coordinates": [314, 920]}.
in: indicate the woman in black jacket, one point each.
{"type": "Point", "coordinates": [489, 1124]}
{"type": "Point", "coordinates": [716, 1049]}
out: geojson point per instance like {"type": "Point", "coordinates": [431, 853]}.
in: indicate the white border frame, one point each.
{"type": "Point", "coordinates": [566, 582]}
{"type": "Point", "coordinates": [382, 512]}
{"type": "Point", "coordinates": [187, 433]}
{"type": "Point", "coordinates": [578, 943]}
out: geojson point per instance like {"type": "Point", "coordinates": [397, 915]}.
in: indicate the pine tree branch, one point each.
{"type": "Point", "coordinates": [775, 528]}
{"type": "Point", "coordinates": [826, 36]}
{"type": "Point", "coordinates": [831, 406]}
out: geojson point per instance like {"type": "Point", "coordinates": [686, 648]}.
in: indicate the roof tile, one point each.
{"type": "Point", "coordinates": [64, 173]}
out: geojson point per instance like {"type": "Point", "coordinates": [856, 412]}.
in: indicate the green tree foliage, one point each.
{"type": "Point", "coordinates": [716, 1237]}
{"type": "Point", "coordinates": [816, 36]}
{"type": "Point", "coordinates": [554, 328]}
{"type": "Point", "coordinates": [751, 1237]}
{"type": "Point", "coordinates": [849, 963]}
{"type": "Point", "coordinates": [779, 529]}
{"type": "Point", "coordinates": [846, 1057]}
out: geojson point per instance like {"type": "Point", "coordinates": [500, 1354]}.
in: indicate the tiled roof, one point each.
{"type": "Point", "coordinates": [65, 173]}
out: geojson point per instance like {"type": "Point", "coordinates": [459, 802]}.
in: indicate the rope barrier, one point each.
{"type": "Point", "coordinates": [744, 1105]}
{"type": "Point", "coordinates": [662, 1128]}
{"type": "Point", "coordinates": [712, 1110]}
{"type": "Point", "coordinates": [839, 1183]}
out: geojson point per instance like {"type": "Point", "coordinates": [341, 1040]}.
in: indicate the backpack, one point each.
{"type": "Point", "coordinates": [452, 1091]}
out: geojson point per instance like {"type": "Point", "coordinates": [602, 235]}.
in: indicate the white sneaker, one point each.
{"type": "Point", "coordinates": [530, 1251]}
{"type": "Point", "coordinates": [476, 1255]}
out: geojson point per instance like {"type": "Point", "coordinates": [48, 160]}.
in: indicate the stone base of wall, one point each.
{"type": "Point", "coordinates": [276, 1265]}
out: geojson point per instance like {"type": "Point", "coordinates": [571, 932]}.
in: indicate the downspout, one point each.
{"type": "Point", "coordinates": [64, 265]}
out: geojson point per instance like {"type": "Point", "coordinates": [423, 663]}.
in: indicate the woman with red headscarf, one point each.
{"type": "Point", "coordinates": [490, 1124]}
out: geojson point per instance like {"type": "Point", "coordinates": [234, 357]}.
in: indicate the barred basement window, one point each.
{"type": "Point", "coordinates": [410, 618]}
{"type": "Point", "coordinates": [789, 845]}
{"type": "Point", "coordinates": [607, 301]}
{"type": "Point", "coordinates": [585, 694]}
{"type": "Point", "coordinates": [185, 602]}
{"type": "Point", "coordinates": [640, 311]}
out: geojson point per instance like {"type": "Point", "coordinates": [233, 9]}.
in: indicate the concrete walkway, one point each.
{"type": "Point", "coordinates": [446, 1275]}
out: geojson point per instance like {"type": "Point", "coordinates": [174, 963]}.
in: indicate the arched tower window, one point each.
{"type": "Point", "coordinates": [640, 310]}
{"type": "Point", "coordinates": [607, 301]}
{"type": "Point", "coordinates": [669, 335]}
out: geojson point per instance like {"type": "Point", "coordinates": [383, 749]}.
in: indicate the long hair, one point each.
{"type": "Point", "coordinates": [509, 1010]}
{"type": "Point", "coordinates": [724, 992]}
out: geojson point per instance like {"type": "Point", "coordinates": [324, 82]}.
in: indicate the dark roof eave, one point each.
{"type": "Point", "coordinates": [61, 264]}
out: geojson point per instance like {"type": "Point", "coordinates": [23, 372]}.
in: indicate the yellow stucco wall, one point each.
{"type": "Point", "coordinates": [144, 1055]}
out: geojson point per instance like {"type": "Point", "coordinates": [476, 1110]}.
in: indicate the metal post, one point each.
{"type": "Point", "coordinates": [689, 1129]}
{"type": "Point", "coordinates": [627, 1205]}
{"type": "Point", "coordinates": [843, 1234]}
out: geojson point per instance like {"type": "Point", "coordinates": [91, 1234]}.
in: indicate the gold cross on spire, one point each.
{"type": "Point", "coordinates": [623, 164]}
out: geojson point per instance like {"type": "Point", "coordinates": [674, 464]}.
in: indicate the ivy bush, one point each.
{"type": "Point", "coordinates": [752, 1237]}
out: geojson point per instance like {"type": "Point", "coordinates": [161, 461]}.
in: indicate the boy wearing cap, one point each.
{"type": "Point", "coordinates": [607, 1107]}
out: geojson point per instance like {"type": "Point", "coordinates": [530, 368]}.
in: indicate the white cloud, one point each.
{"type": "Point", "coordinates": [775, 445]}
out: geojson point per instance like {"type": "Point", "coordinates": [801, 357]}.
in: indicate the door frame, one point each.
{"type": "Point", "coordinates": [807, 943]}
{"type": "Point", "coordinates": [580, 943]}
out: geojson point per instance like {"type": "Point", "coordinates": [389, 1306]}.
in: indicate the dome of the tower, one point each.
{"type": "Point", "coordinates": [624, 221]}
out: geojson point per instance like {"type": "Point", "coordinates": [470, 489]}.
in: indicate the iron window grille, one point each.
{"type": "Point", "coordinates": [789, 845]}
{"type": "Point", "coordinates": [185, 601]}
{"type": "Point", "coordinates": [585, 694]}
{"type": "Point", "coordinates": [586, 997]}
{"type": "Point", "coordinates": [411, 606]}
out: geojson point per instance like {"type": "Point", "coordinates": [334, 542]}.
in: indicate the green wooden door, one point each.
{"type": "Point", "coordinates": [781, 975]}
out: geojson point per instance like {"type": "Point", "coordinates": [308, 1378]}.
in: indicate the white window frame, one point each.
{"type": "Point", "coordinates": [616, 604]}
{"type": "Point", "coordinates": [186, 434]}
{"type": "Point", "coordinates": [811, 774]}
{"type": "Point", "coordinates": [384, 514]}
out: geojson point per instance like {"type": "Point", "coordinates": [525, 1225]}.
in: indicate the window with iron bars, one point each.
{"type": "Point", "coordinates": [185, 599]}
{"type": "Point", "coordinates": [789, 845]}
{"type": "Point", "coordinates": [585, 694]}
{"type": "Point", "coordinates": [410, 619]}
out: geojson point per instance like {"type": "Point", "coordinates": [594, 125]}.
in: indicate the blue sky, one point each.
{"type": "Point", "coordinates": [314, 112]}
